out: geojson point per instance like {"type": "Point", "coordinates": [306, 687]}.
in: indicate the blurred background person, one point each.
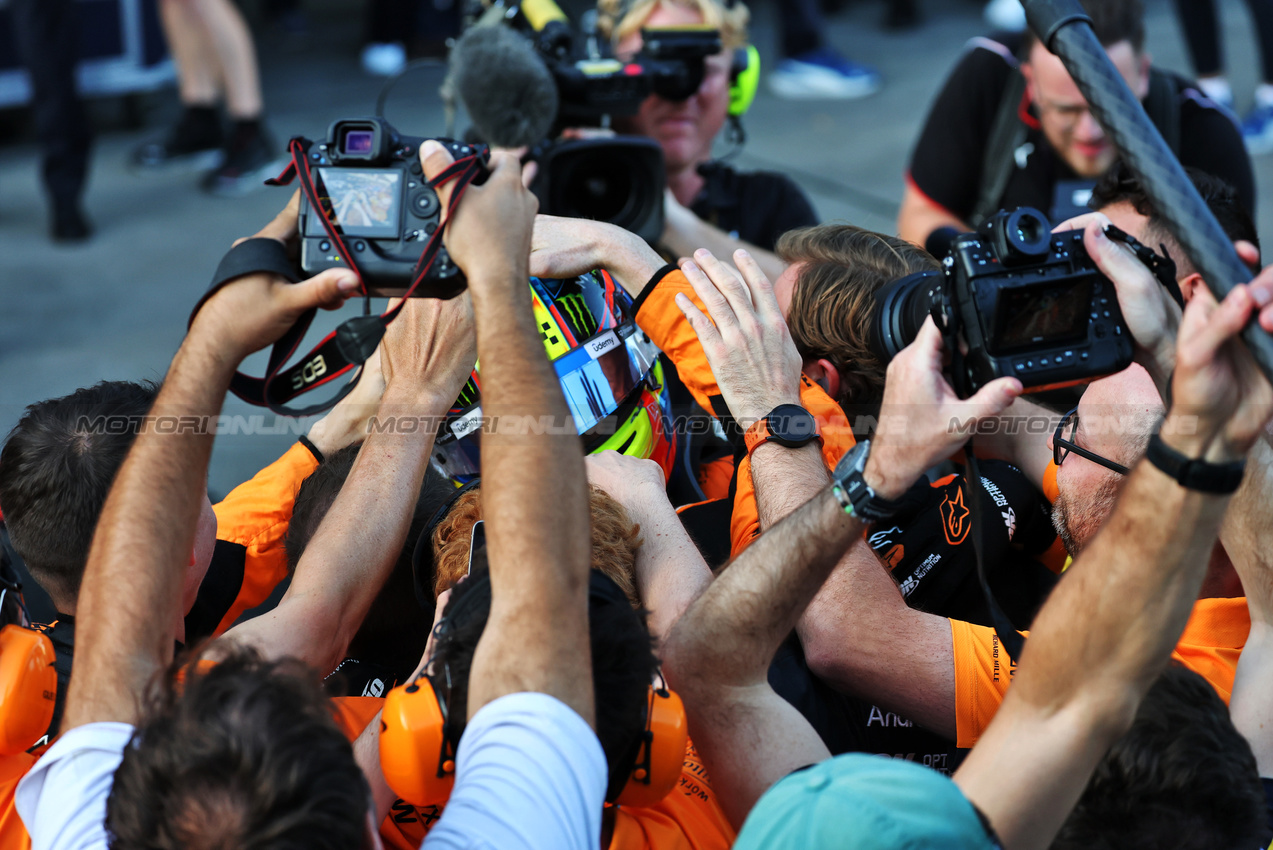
{"type": "Point", "coordinates": [1200, 25]}
{"type": "Point", "coordinates": [216, 63]}
{"type": "Point", "coordinates": [709, 204]}
{"type": "Point", "coordinates": [811, 68]}
{"type": "Point", "coordinates": [47, 33]}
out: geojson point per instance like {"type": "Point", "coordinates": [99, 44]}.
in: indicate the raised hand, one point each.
{"type": "Point", "coordinates": [746, 340]}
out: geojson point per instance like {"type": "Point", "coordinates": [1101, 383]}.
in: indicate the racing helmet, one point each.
{"type": "Point", "coordinates": [609, 371]}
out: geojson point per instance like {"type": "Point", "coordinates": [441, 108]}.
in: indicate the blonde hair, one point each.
{"type": "Point", "coordinates": [615, 540]}
{"type": "Point", "coordinates": [618, 19]}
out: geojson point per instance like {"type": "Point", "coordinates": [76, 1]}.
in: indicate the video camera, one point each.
{"type": "Point", "coordinates": [617, 179]}
{"type": "Point", "coordinates": [1013, 298]}
{"type": "Point", "coordinates": [376, 208]}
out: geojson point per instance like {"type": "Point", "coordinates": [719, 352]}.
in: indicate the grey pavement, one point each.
{"type": "Point", "coordinates": [116, 307]}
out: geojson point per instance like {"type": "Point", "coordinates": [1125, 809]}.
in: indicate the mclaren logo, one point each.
{"type": "Point", "coordinates": [955, 522]}
{"type": "Point", "coordinates": [576, 311]}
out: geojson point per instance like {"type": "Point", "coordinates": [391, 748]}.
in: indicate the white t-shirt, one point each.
{"type": "Point", "coordinates": [530, 774]}
{"type": "Point", "coordinates": [62, 800]}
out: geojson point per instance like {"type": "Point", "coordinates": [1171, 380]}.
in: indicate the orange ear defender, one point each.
{"type": "Point", "coordinates": [28, 682]}
{"type": "Point", "coordinates": [661, 758]}
{"type": "Point", "coordinates": [418, 737]}
{"type": "Point", "coordinates": [28, 688]}
{"type": "Point", "coordinates": [417, 756]}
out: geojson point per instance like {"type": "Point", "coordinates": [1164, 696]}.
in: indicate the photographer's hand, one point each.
{"type": "Point", "coordinates": [253, 311]}
{"type": "Point", "coordinates": [489, 234]}
{"type": "Point", "coordinates": [747, 344]}
{"type": "Point", "coordinates": [565, 247]}
{"type": "Point", "coordinates": [1151, 314]}
{"type": "Point", "coordinates": [922, 420]}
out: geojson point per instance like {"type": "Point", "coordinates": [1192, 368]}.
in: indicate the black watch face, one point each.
{"type": "Point", "coordinates": [792, 425]}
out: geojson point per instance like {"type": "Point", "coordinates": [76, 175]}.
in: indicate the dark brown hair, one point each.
{"type": "Point", "coordinates": [237, 752]}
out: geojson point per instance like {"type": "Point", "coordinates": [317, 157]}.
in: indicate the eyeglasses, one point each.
{"type": "Point", "coordinates": [1063, 443]}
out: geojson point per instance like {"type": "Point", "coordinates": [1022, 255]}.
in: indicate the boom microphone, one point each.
{"type": "Point", "coordinates": [507, 90]}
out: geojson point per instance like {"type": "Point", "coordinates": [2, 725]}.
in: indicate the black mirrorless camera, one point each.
{"type": "Point", "coordinates": [373, 193]}
{"type": "Point", "coordinates": [1014, 299]}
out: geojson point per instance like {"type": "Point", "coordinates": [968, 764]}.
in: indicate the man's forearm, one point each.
{"type": "Point", "coordinates": [730, 634]}
{"type": "Point", "coordinates": [1111, 623]}
{"type": "Point", "coordinates": [671, 572]}
{"type": "Point", "coordinates": [858, 634]}
{"type": "Point", "coordinates": [535, 499]}
{"type": "Point", "coordinates": [358, 542]}
{"type": "Point", "coordinates": [541, 476]}
{"type": "Point", "coordinates": [688, 236]}
{"type": "Point", "coordinates": [1247, 533]}
{"type": "Point", "coordinates": [131, 592]}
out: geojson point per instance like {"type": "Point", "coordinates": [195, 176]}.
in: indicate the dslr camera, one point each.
{"type": "Point", "coordinates": [1012, 298]}
{"type": "Point", "coordinates": [372, 193]}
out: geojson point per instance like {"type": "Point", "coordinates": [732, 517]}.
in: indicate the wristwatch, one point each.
{"type": "Point", "coordinates": [853, 493]}
{"type": "Point", "coordinates": [787, 425]}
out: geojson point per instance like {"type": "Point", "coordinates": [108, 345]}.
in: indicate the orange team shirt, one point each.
{"type": "Point", "coordinates": [660, 318]}
{"type": "Point", "coordinates": [689, 818]}
{"type": "Point", "coordinates": [255, 516]}
{"type": "Point", "coordinates": [1210, 645]}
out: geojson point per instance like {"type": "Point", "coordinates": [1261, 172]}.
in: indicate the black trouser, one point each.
{"type": "Point", "coordinates": [47, 35]}
{"type": "Point", "coordinates": [802, 26]}
{"type": "Point", "coordinates": [1199, 20]}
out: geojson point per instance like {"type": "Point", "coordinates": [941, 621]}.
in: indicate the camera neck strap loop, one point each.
{"type": "Point", "coordinates": [1161, 266]}
{"type": "Point", "coordinates": [355, 339]}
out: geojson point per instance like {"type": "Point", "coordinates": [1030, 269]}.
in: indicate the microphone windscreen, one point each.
{"type": "Point", "coordinates": [507, 90]}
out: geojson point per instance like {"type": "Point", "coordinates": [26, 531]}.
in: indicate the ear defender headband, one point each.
{"type": "Point", "coordinates": [28, 682]}
{"type": "Point", "coordinates": [744, 80]}
{"type": "Point", "coordinates": [419, 733]}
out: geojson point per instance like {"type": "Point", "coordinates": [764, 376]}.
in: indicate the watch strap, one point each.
{"type": "Point", "coordinates": [1193, 473]}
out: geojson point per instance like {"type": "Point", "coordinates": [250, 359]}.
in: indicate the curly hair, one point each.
{"type": "Point", "coordinates": [615, 540]}
{"type": "Point", "coordinates": [618, 19]}
{"type": "Point", "coordinates": [842, 267]}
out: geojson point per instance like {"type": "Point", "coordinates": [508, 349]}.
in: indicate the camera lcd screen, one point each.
{"type": "Point", "coordinates": [1052, 312]}
{"type": "Point", "coordinates": [364, 203]}
{"type": "Point", "coordinates": [358, 142]}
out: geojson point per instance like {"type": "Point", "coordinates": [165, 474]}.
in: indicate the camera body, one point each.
{"type": "Point", "coordinates": [1019, 300]}
{"type": "Point", "coordinates": [373, 192]}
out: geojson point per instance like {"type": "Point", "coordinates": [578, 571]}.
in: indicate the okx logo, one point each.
{"type": "Point", "coordinates": [955, 519]}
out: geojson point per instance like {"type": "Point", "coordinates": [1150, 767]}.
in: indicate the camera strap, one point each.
{"type": "Point", "coordinates": [1161, 266]}
{"type": "Point", "coordinates": [355, 339]}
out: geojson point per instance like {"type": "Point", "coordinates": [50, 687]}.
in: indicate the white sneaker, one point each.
{"type": "Point", "coordinates": [823, 74]}
{"type": "Point", "coordinates": [384, 60]}
{"type": "Point", "coordinates": [1006, 15]}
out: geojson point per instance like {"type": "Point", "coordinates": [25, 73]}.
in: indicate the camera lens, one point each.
{"type": "Point", "coordinates": [604, 185]}
{"type": "Point", "coordinates": [900, 310]}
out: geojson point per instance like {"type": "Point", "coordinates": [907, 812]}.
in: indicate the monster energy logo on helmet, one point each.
{"type": "Point", "coordinates": [575, 310]}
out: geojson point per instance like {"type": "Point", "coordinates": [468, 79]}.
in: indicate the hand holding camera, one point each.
{"type": "Point", "coordinates": [249, 313]}
{"type": "Point", "coordinates": [489, 235]}
{"type": "Point", "coordinates": [917, 413]}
